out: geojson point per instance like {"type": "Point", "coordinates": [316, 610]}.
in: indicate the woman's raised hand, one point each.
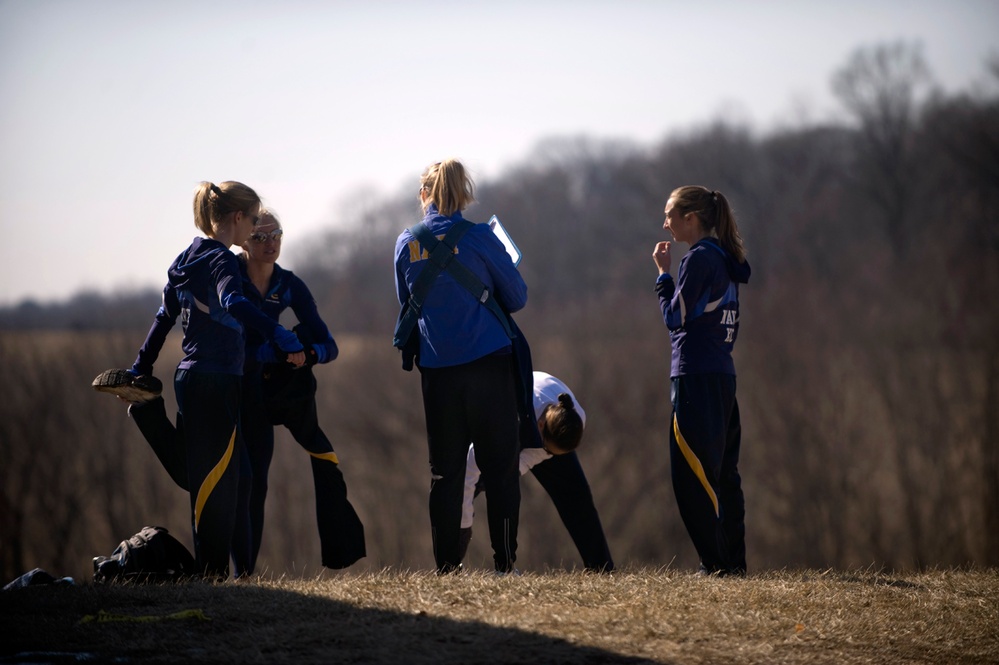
{"type": "Point", "coordinates": [661, 256]}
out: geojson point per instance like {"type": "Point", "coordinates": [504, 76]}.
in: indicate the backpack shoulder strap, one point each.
{"type": "Point", "coordinates": [441, 253]}
{"type": "Point", "coordinates": [470, 281]}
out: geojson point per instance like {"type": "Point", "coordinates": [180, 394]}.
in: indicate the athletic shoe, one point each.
{"type": "Point", "coordinates": [128, 386]}
{"type": "Point", "coordinates": [513, 572]}
{"type": "Point", "coordinates": [451, 569]}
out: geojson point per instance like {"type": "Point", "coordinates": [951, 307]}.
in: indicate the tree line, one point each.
{"type": "Point", "coordinates": [868, 355]}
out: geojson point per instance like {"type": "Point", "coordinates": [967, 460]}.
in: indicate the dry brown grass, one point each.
{"type": "Point", "coordinates": [632, 616]}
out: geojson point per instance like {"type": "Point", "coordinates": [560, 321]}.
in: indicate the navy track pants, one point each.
{"type": "Point", "coordinates": [477, 402]}
{"type": "Point", "coordinates": [289, 400]}
{"type": "Point", "coordinates": [563, 478]}
{"type": "Point", "coordinates": [209, 404]}
{"type": "Point", "coordinates": [705, 438]}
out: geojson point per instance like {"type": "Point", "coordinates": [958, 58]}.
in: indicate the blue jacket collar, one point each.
{"type": "Point", "coordinates": [432, 211]}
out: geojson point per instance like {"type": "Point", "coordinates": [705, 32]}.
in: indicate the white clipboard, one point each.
{"type": "Point", "coordinates": [504, 237]}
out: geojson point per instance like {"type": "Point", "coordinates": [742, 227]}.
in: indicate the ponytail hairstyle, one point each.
{"type": "Point", "coordinates": [213, 202]}
{"type": "Point", "coordinates": [561, 425]}
{"type": "Point", "coordinates": [715, 215]}
{"type": "Point", "coordinates": [448, 186]}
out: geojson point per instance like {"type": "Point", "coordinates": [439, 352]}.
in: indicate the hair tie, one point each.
{"type": "Point", "coordinates": [565, 401]}
{"type": "Point", "coordinates": [215, 189]}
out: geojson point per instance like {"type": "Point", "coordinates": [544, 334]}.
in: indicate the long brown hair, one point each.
{"type": "Point", "coordinates": [715, 215]}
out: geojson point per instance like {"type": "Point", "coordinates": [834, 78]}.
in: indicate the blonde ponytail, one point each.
{"type": "Point", "coordinates": [213, 202]}
{"type": "Point", "coordinates": [448, 186]}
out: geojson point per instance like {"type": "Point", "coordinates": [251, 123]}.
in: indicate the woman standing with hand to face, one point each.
{"type": "Point", "coordinates": [205, 291]}
{"type": "Point", "coordinates": [701, 310]}
{"type": "Point", "coordinates": [466, 368]}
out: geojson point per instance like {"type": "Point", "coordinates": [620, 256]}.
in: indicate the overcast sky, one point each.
{"type": "Point", "coordinates": [112, 112]}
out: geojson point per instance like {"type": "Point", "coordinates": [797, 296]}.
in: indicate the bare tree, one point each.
{"type": "Point", "coordinates": [964, 138]}
{"type": "Point", "coordinates": [881, 86]}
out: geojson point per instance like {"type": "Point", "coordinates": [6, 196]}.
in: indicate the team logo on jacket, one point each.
{"type": "Point", "coordinates": [729, 319]}
{"type": "Point", "coordinates": [417, 253]}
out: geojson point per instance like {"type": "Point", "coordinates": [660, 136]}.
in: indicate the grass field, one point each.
{"type": "Point", "coordinates": [631, 616]}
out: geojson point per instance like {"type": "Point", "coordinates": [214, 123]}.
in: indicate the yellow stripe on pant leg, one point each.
{"type": "Point", "coordinates": [694, 463]}
{"type": "Point", "coordinates": [213, 479]}
{"type": "Point", "coordinates": [330, 456]}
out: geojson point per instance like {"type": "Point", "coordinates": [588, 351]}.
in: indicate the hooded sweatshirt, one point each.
{"type": "Point", "coordinates": [204, 289]}
{"type": "Point", "coordinates": [702, 309]}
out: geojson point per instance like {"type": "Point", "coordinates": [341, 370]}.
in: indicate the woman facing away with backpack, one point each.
{"type": "Point", "coordinates": [204, 291]}
{"type": "Point", "coordinates": [701, 311]}
{"type": "Point", "coordinates": [466, 368]}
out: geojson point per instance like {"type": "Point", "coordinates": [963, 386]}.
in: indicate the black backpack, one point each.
{"type": "Point", "coordinates": [152, 555]}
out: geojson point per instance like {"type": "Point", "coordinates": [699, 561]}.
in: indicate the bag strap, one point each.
{"type": "Point", "coordinates": [441, 253]}
{"type": "Point", "coordinates": [462, 274]}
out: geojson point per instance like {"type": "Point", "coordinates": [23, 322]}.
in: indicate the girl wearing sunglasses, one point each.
{"type": "Point", "coordinates": [277, 394]}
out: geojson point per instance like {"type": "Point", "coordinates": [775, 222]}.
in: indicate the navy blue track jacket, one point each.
{"type": "Point", "coordinates": [702, 309]}
{"type": "Point", "coordinates": [205, 290]}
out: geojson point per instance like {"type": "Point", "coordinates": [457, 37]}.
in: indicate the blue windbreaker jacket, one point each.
{"type": "Point", "coordinates": [455, 328]}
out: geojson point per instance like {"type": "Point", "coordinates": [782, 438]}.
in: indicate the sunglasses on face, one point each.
{"type": "Point", "coordinates": [261, 238]}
